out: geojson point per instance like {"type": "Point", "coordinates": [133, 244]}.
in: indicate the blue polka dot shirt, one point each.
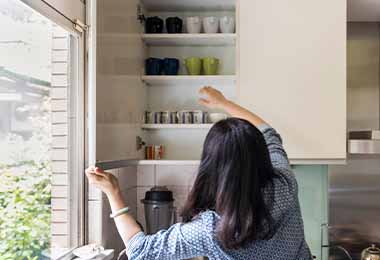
{"type": "Point", "coordinates": [198, 237]}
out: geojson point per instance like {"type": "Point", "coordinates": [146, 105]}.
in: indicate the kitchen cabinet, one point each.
{"type": "Point", "coordinates": [123, 91]}
{"type": "Point", "coordinates": [292, 72]}
{"type": "Point", "coordinates": [286, 62]}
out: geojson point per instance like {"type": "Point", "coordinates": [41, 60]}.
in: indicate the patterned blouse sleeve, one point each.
{"type": "Point", "coordinates": [276, 150]}
{"type": "Point", "coordinates": [286, 185]}
{"type": "Point", "coordinates": [180, 241]}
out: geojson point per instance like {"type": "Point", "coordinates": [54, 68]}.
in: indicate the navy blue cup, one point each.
{"type": "Point", "coordinates": [170, 66]}
{"type": "Point", "coordinates": [153, 66]}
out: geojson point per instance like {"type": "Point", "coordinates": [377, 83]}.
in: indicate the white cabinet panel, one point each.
{"type": "Point", "coordinates": [292, 72]}
{"type": "Point", "coordinates": [119, 93]}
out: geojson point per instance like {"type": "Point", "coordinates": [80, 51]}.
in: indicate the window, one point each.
{"type": "Point", "coordinates": [41, 133]}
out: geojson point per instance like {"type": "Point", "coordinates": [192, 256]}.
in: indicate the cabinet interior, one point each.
{"type": "Point", "coordinates": [122, 51]}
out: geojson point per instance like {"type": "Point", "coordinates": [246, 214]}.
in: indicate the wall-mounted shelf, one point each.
{"type": "Point", "coordinates": [168, 162]}
{"type": "Point", "coordinates": [175, 126]}
{"type": "Point", "coordinates": [185, 39]}
{"type": "Point", "coordinates": [188, 5]}
{"type": "Point", "coordinates": [189, 80]}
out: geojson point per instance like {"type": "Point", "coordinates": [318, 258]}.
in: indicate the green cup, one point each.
{"type": "Point", "coordinates": [193, 65]}
{"type": "Point", "coordinates": [210, 65]}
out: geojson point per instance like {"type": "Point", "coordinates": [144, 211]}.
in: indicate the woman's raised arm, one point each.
{"type": "Point", "coordinates": [215, 99]}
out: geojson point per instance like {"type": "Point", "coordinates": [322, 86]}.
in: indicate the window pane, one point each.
{"type": "Point", "coordinates": [36, 86]}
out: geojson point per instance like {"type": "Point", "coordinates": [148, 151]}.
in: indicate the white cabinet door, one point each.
{"type": "Point", "coordinates": [292, 72]}
{"type": "Point", "coordinates": [116, 94]}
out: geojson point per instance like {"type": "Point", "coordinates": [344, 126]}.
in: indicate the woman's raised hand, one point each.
{"type": "Point", "coordinates": [104, 181]}
{"type": "Point", "coordinates": [212, 98]}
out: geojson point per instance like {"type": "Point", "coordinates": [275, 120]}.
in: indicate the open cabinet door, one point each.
{"type": "Point", "coordinates": [116, 93]}
{"type": "Point", "coordinates": [115, 101]}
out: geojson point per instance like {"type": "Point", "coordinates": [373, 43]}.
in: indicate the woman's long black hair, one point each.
{"type": "Point", "coordinates": [234, 172]}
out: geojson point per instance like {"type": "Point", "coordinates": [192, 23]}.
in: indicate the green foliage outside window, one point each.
{"type": "Point", "coordinates": [25, 192]}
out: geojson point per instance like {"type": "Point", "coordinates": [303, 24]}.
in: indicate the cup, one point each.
{"type": "Point", "coordinates": [170, 66]}
{"type": "Point", "coordinates": [173, 25]}
{"type": "Point", "coordinates": [156, 118]}
{"type": "Point", "coordinates": [193, 24]}
{"type": "Point", "coordinates": [210, 24]}
{"type": "Point", "coordinates": [198, 117]}
{"type": "Point", "coordinates": [154, 152]}
{"type": "Point", "coordinates": [152, 117]}
{"type": "Point", "coordinates": [185, 117]}
{"type": "Point", "coordinates": [227, 24]}
{"type": "Point", "coordinates": [158, 152]}
{"type": "Point", "coordinates": [165, 117]}
{"type": "Point", "coordinates": [148, 117]}
{"type": "Point", "coordinates": [216, 117]}
{"type": "Point", "coordinates": [210, 65]}
{"type": "Point", "coordinates": [154, 25]}
{"type": "Point", "coordinates": [153, 66]}
{"type": "Point", "coordinates": [193, 65]}
{"type": "Point", "coordinates": [173, 117]}
{"type": "Point", "coordinates": [149, 152]}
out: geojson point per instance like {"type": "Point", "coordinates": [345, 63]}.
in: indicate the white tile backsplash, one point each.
{"type": "Point", "coordinates": [177, 178]}
{"type": "Point", "coordinates": [135, 182]}
{"type": "Point", "coordinates": [127, 177]}
{"type": "Point", "coordinates": [146, 175]}
{"type": "Point", "coordinates": [110, 237]}
{"type": "Point", "coordinates": [95, 221]}
{"type": "Point", "coordinates": [174, 175]}
{"type": "Point", "coordinates": [130, 197]}
{"type": "Point", "coordinates": [94, 193]}
{"type": "Point", "coordinates": [180, 196]}
{"type": "Point", "coordinates": [140, 207]}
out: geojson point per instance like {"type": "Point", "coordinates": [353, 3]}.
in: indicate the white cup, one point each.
{"type": "Point", "coordinates": [227, 24]}
{"type": "Point", "coordinates": [210, 24]}
{"type": "Point", "coordinates": [198, 117]}
{"type": "Point", "coordinates": [185, 117]}
{"type": "Point", "coordinates": [193, 24]}
{"type": "Point", "coordinates": [216, 117]}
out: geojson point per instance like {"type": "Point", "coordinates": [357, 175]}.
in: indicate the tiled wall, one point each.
{"type": "Point", "coordinates": [135, 181]}
{"type": "Point", "coordinates": [313, 197]}
{"type": "Point", "coordinates": [312, 182]}
{"type": "Point", "coordinates": [102, 229]}
{"type": "Point", "coordinates": [177, 178]}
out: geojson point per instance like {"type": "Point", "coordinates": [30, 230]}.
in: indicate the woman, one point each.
{"type": "Point", "coordinates": [243, 204]}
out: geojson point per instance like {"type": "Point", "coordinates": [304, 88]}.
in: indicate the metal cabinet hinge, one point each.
{"type": "Point", "coordinates": [139, 143]}
{"type": "Point", "coordinates": [80, 26]}
{"type": "Point", "coordinates": [140, 14]}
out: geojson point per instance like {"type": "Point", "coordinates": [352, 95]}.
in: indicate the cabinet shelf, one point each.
{"type": "Point", "coordinates": [188, 5]}
{"type": "Point", "coordinates": [185, 39]}
{"type": "Point", "coordinates": [189, 80]}
{"type": "Point", "coordinates": [168, 162]}
{"type": "Point", "coordinates": [175, 126]}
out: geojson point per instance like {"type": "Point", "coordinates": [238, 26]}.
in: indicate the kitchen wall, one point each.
{"type": "Point", "coordinates": [135, 181]}
{"type": "Point", "coordinates": [101, 228]}
{"type": "Point", "coordinates": [312, 182]}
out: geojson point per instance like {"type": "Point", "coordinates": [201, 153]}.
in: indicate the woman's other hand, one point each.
{"type": "Point", "coordinates": [212, 98]}
{"type": "Point", "coordinates": [104, 181]}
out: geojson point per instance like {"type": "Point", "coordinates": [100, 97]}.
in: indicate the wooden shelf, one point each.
{"type": "Point", "coordinates": [186, 39]}
{"type": "Point", "coordinates": [175, 126]}
{"type": "Point", "coordinates": [188, 5]}
{"type": "Point", "coordinates": [189, 80]}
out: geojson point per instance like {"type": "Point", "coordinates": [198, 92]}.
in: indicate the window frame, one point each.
{"type": "Point", "coordinates": [64, 14]}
